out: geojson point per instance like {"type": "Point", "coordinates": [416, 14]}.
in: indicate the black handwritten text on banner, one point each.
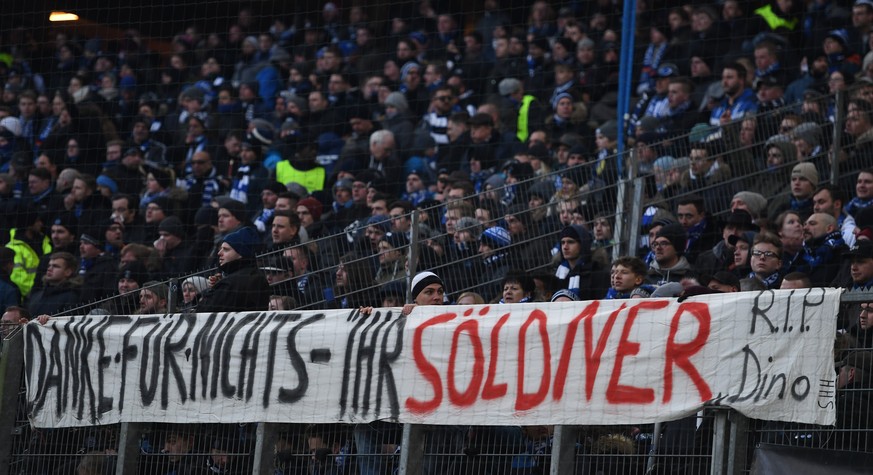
{"type": "Point", "coordinates": [600, 362]}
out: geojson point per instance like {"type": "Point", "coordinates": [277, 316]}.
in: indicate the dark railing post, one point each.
{"type": "Point", "coordinates": [128, 448]}
{"type": "Point", "coordinates": [412, 449]}
{"type": "Point", "coordinates": [11, 364]}
{"type": "Point", "coordinates": [265, 453]}
{"type": "Point", "coordinates": [564, 450]}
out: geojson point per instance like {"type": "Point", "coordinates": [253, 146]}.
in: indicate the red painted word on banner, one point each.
{"type": "Point", "coordinates": [485, 383]}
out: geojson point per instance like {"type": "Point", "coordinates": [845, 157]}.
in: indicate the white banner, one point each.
{"type": "Point", "coordinates": [769, 355]}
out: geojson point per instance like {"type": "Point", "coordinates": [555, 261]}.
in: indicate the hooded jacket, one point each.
{"type": "Point", "coordinates": [586, 278]}
{"type": "Point", "coordinates": [659, 276]}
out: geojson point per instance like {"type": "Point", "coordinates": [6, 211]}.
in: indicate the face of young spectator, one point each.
{"type": "Point", "coordinates": [374, 234]}
{"type": "Point", "coordinates": [378, 208]}
{"type": "Point", "coordinates": [177, 445]}
{"type": "Point", "coordinates": [433, 294]}
{"type": "Point", "coordinates": [677, 95]}
{"type": "Point", "coordinates": [564, 108]}
{"type": "Point", "coordinates": [602, 229]}
{"type": "Point", "coordinates": [284, 204]}
{"type": "Point", "coordinates": [282, 231]}
{"type": "Point", "coordinates": [227, 254]}
{"type": "Point", "coordinates": [342, 276]}
{"type": "Point", "coordinates": [126, 285]}
{"type": "Point", "coordinates": [88, 250]}
{"type": "Point", "coordinates": [387, 253]}
{"type": "Point", "coordinates": [115, 235]}
{"type": "Point", "coordinates": [452, 217]}
{"type": "Point", "coordinates": [700, 162]}
{"type": "Point", "coordinates": [689, 215]}
{"type": "Point", "coordinates": [861, 269]}
{"type": "Point", "coordinates": [359, 192]}
{"type": "Point", "coordinates": [836, 82]}
{"type": "Point", "coordinates": [623, 279]}
{"type": "Point", "coordinates": [857, 123]}
{"type": "Point", "coordinates": [227, 221]}
{"type": "Point", "coordinates": [741, 253]}
{"type": "Point", "coordinates": [565, 212]}
{"type": "Point", "coordinates": [80, 190]}
{"type": "Point", "coordinates": [480, 133]}
{"type": "Point", "coordinates": [400, 222]}
{"type": "Point", "coordinates": [27, 107]}
{"type": "Point", "coordinates": [731, 82]}
{"type": "Point", "coordinates": [792, 228]}
{"type": "Point", "coordinates": [665, 254]}
{"type": "Point", "coordinates": [765, 259]}
{"type": "Point", "coordinates": [189, 293]}
{"type": "Point", "coordinates": [482, 215]}
{"type": "Point", "coordinates": [775, 157]}
{"type": "Point", "coordinates": [865, 317]}
{"type": "Point", "coordinates": [513, 293]}
{"type": "Point", "coordinates": [305, 216]}
{"type": "Point", "coordinates": [514, 225]}
{"type": "Point", "coordinates": [823, 202]}
{"type": "Point", "coordinates": [57, 272]}
{"type": "Point", "coordinates": [864, 186]}
{"type": "Point", "coordinates": [61, 236]}
{"type": "Point", "coordinates": [571, 249]}
{"type": "Point", "coordinates": [154, 214]}
{"type": "Point", "coordinates": [801, 188]}
{"type": "Point", "coordinates": [36, 185]}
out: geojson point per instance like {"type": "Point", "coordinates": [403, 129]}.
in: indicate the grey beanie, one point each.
{"type": "Point", "coordinates": [756, 202]}
{"type": "Point", "coordinates": [809, 132]}
{"type": "Point", "coordinates": [398, 101]}
{"type": "Point", "coordinates": [470, 225]}
{"type": "Point", "coordinates": [509, 86]}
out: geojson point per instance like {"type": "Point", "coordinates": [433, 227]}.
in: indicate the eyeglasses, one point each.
{"type": "Point", "coordinates": [765, 254]}
{"type": "Point", "coordinates": [658, 244]}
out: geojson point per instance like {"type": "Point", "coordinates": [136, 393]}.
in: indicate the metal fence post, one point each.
{"type": "Point", "coordinates": [265, 443]}
{"type": "Point", "coordinates": [128, 448]}
{"type": "Point", "coordinates": [11, 363]}
{"type": "Point", "coordinates": [720, 441]}
{"type": "Point", "coordinates": [172, 296]}
{"type": "Point", "coordinates": [739, 437]}
{"type": "Point", "coordinates": [412, 449]}
{"type": "Point", "coordinates": [635, 212]}
{"type": "Point", "coordinates": [564, 450]}
{"type": "Point", "coordinates": [839, 120]}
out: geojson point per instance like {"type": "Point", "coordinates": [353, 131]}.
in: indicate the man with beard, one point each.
{"type": "Point", "coordinates": [669, 264]}
{"type": "Point", "coordinates": [154, 152]}
{"type": "Point", "coordinates": [739, 99]}
{"type": "Point", "coordinates": [823, 248]}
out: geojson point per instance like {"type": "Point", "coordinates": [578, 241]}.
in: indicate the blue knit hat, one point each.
{"type": "Point", "coordinates": [245, 241]}
{"type": "Point", "coordinates": [381, 221]}
{"type": "Point", "coordinates": [104, 180]}
{"type": "Point", "coordinates": [496, 237]}
{"type": "Point", "coordinates": [404, 71]}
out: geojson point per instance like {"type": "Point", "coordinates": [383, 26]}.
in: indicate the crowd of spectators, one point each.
{"type": "Point", "coordinates": [278, 165]}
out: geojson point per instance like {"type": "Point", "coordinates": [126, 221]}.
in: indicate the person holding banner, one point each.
{"type": "Point", "coordinates": [441, 441]}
